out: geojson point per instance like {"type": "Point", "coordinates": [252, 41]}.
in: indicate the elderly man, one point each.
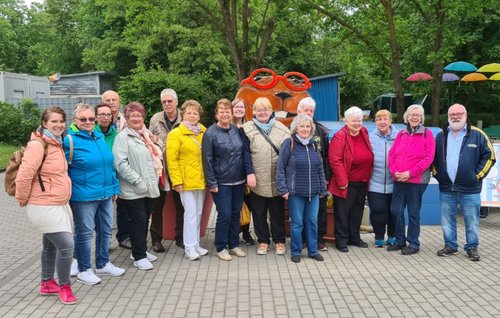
{"type": "Point", "coordinates": [160, 125]}
{"type": "Point", "coordinates": [113, 100]}
{"type": "Point", "coordinates": [464, 156]}
{"type": "Point", "coordinates": [307, 106]}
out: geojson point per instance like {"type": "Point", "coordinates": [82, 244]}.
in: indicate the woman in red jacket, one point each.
{"type": "Point", "coordinates": [44, 187]}
{"type": "Point", "coordinates": [351, 160]}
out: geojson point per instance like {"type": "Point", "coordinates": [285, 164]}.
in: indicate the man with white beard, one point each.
{"type": "Point", "coordinates": [464, 156]}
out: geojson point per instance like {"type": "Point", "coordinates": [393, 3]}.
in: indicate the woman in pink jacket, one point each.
{"type": "Point", "coordinates": [44, 187]}
{"type": "Point", "coordinates": [410, 159]}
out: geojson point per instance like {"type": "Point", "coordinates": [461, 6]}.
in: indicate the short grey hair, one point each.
{"type": "Point", "coordinates": [306, 101]}
{"type": "Point", "coordinates": [81, 107]}
{"type": "Point", "coordinates": [300, 118]}
{"type": "Point", "coordinates": [353, 111]}
{"type": "Point", "coordinates": [168, 91]}
{"type": "Point", "coordinates": [412, 107]}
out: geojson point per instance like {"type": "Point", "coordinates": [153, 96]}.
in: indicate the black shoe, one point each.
{"type": "Point", "coordinates": [158, 247]}
{"type": "Point", "coordinates": [360, 244]}
{"type": "Point", "coordinates": [483, 212]}
{"type": "Point", "coordinates": [317, 257]}
{"type": "Point", "coordinates": [409, 250]}
{"type": "Point", "coordinates": [125, 244]}
{"type": "Point", "coordinates": [473, 254]}
{"type": "Point", "coordinates": [296, 259]}
{"type": "Point", "coordinates": [447, 251]}
{"type": "Point", "coordinates": [392, 248]}
{"type": "Point", "coordinates": [180, 244]}
{"type": "Point", "coordinates": [248, 239]}
{"type": "Point", "coordinates": [322, 247]}
{"type": "Point", "coordinates": [342, 248]}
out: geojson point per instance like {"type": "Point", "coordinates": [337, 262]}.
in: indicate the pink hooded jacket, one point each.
{"type": "Point", "coordinates": [413, 153]}
{"type": "Point", "coordinates": [54, 174]}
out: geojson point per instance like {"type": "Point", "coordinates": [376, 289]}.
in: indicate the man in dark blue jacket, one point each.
{"type": "Point", "coordinates": [464, 156]}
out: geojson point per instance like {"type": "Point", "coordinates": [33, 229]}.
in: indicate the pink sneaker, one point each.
{"type": "Point", "coordinates": [49, 287]}
{"type": "Point", "coordinates": [66, 295]}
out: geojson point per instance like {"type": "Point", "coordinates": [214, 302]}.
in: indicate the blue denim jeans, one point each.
{"type": "Point", "coordinates": [228, 202]}
{"type": "Point", "coordinates": [469, 206]}
{"type": "Point", "coordinates": [303, 214]}
{"type": "Point", "coordinates": [407, 195]}
{"type": "Point", "coordinates": [90, 216]}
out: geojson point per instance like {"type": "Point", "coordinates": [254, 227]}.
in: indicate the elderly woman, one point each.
{"type": "Point", "coordinates": [226, 175]}
{"type": "Point", "coordinates": [263, 138]}
{"type": "Point", "coordinates": [139, 167]}
{"type": "Point", "coordinates": [94, 185]}
{"type": "Point", "coordinates": [239, 111]}
{"type": "Point", "coordinates": [380, 191]}
{"type": "Point", "coordinates": [301, 180]}
{"type": "Point", "coordinates": [46, 199]}
{"type": "Point", "coordinates": [351, 159]}
{"type": "Point", "coordinates": [410, 159]}
{"type": "Point", "coordinates": [104, 119]}
{"type": "Point", "coordinates": [186, 172]}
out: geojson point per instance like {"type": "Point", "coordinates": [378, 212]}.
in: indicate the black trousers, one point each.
{"type": "Point", "coordinates": [348, 214]}
{"type": "Point", "coordinates": [321, 222]}
{"type": "Point", "coordinates": [179, 218]}
{"type": "Point", "coordinates": [380, 214]}
{"type": "Point", "coordinates": [156, 227]}
{"type": "Point", "coordinates": [259, 207]}
{"type": "Point", "coordinates": [138, 218]}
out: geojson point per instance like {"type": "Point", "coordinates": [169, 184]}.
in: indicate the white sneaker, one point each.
{"type": "Point", "coordinates": [149, 256]}
{"type": "Point", "coordinates": [201, 251]}
{"type": "Point", "coordinates": [237, 251]}
{"type": "Point", "coordinates": [74, 268]}
{"type": "Point", "coordinates": [191, 255]}
{"type": "Point", "coordinates": [88, 277]}
{"type": "Point", "coordinates": [110, 270]}
{"type": "Point", "coordinates": [224, 255]}
{"type": "Point", "coordinates": [143, 264]}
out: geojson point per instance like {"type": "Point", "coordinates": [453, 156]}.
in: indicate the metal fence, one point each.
{"type": "Point", "coordinates": [67, 104]}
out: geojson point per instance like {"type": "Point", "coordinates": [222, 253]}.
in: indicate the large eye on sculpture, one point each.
{"type": "Point", "coordinates": [259, 74]}
{"type": "Point", "coordinates": [296, 81]}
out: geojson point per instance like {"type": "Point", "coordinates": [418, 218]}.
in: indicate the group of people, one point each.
{"type": "Point", "coordinates": [71, 184]}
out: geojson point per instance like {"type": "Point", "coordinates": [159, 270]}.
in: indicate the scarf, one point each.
{"type": "Point", "coordinates": [47, 133]}
{"type": "Point", "coordinates": [265, 127]}
{"type": "Point", "coordinates": [194, 128]}
{"type": "Point", "coordinates": [304, 141]}
{"type": "Point", "coordinates": [155, 152]}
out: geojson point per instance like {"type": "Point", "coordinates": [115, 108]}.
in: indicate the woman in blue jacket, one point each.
{"type": "Point", "coordinates": [300, 179]}
{"type": "Point", "coordinates": [381, 183]}
{"type": "Point", "coordinates": [94, 185]}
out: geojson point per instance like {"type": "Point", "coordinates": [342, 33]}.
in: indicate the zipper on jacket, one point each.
{"type": "Point", "coordinates": [309, 168]}
{"type": "Point", "coordinates": [385, 167]}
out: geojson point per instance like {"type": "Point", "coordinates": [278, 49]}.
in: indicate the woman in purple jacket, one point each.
{"type": "Point", "coordinates": [410, 159]}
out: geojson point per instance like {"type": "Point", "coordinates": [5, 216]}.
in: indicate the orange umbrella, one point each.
{"type": "Point", "coordinates": [474, 77]}
{"type": "Point", "coordinates": [495, 77]}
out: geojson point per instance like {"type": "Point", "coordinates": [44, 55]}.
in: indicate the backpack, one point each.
{"type": "Point", "coordinates": [15, 163]}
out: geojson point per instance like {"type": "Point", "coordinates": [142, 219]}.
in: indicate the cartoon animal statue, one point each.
{"type": "Point", "coordinates": [284, 92]}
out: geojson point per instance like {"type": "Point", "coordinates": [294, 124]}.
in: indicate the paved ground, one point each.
{"type": "Point", "coordinates": [362, 283]}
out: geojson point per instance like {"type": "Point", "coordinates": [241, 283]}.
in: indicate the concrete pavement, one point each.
{"type": "Point", "coordinates": [362, 283]}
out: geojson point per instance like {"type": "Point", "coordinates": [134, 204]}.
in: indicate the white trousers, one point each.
{"type": "Point", "coordinates": [193, 207]}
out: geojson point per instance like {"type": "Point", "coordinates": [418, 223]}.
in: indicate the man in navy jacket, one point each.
{"type": "Point", "coordinates": [464, 156]}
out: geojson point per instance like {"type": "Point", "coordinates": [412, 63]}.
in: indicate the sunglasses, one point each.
{"type": "Point", "coordinates": [293, 80]}
{"type": "Point", "coordinates": [85, 119]}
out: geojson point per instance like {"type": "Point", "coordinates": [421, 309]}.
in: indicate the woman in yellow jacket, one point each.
{"type": "Point", "coordinates": [186, 173]}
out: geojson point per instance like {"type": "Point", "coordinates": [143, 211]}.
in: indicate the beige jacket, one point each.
{"type": "Point", "coordinates": [264, 157]}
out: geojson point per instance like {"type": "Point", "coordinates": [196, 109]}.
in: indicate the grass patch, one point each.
{"type": "Point", "coordinates": [5, 153]}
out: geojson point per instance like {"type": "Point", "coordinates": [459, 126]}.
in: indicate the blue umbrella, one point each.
{"type": "Point", "coordinates": [460, 66]}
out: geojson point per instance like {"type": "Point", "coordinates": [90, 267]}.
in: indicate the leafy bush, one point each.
{"type": "Point", "coordinates": [18, 122]}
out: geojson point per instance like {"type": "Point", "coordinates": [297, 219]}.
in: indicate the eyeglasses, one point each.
{"type": "Point", "coordinates": [456, 114]}
{"type": "Point", "coordinates": [262, 110]}
{"type": "Point", "coordinates": [104, 115]}
{"type": "Point", "coordinates": [134, 116]}
{"type": "Point", "coordinates": [293, 80]}
{"type": "Point", "coordinates": [414, 115]}
{"type": "Point", "coordinates": [239, 106]}
{"type": "Point", "coordinates": [85, 119]}
{"type": "Point", "coordinates": [167, 101]}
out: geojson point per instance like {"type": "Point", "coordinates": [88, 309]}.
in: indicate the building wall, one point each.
{"type": "Point", "coordinates": [14, 85]}
{"type": "Point", "coordinates": [326, 93]}
{"type": "Point", "coordinates": [85, 84]}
